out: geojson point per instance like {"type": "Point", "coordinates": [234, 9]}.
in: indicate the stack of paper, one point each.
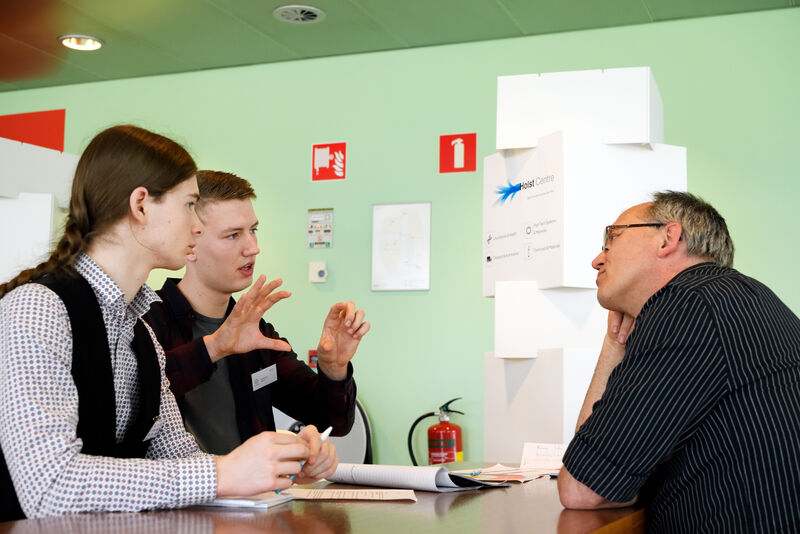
{"type": "Point", "coordinates": [260, 501]}
{"type": "Point", "coordinates": [424, 478]}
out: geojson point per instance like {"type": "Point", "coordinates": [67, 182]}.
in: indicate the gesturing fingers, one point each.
{"type": "Point", "coordinates": [362, 330]}
{"type": "Point", "coordinates": [269, 343]}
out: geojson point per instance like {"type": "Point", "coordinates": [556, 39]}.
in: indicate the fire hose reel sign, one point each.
{"type": "Point", "coordinates": [329, 162]}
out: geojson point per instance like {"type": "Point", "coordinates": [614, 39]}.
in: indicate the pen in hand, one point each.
{"type": "Point", "coordinates": [323, 438]}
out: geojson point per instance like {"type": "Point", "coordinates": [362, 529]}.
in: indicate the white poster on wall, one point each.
{"type": "Point", "coordinates": [401, 239]}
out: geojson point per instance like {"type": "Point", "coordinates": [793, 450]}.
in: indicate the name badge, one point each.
{"type": "Point", "coordinates": [155, 429]}
{"type": "Point", "coordinates": [264, 377]}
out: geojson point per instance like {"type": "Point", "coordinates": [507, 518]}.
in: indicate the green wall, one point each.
{"type": "Point", "coordinates": [729, 87]}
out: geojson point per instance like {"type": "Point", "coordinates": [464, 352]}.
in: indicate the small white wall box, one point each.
{"type": "Point", "coordinates": [317, 271]}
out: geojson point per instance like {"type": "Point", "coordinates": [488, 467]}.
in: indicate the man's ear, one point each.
{"type": "Point", "coordinates": [137, 203]}
{"type": "Point", "coordinates": [671, 239]}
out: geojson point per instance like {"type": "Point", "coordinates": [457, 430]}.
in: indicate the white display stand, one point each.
{"type": "Point", "coordinates": [621, 105]}
{"type": "Point", "coordinates": [26, 225]}
{"type": "Point", "coordinates": [33, 181]}
{"type": "Point", "coordinates": [568, 189]}
{"type": "Point", "coordinates": [528, 320]}
{"type": "Point", "coordinates": [533, 400]}
{"type": "Point", "coordinates": [35, 169]}
{"type": "Point", "coordinates": [575, 149]}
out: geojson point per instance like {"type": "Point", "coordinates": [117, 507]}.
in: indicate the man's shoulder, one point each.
{"type": "Point", "coordinates": [709, 281]}
{"type": "Point", "coordinates": [718, 284]}
{"type": "Point", "coordinates": [174, 302]}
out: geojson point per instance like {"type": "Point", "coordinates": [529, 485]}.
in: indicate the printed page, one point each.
{"type": "Point", "coordinates": [352, 494]}
{"type": "Point", "coordinates": [504, 473]}
{"type": "Point", "coordinates": [545, 456]}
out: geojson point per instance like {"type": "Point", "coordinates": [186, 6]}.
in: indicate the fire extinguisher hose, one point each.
{"type": "Point", "coordinates": [411, 433]}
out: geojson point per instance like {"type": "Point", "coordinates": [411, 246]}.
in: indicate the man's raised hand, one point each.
{"type": "Point", "coordinates": [342, 331]}
{"type": "Point", "coordinates": [240, 333]}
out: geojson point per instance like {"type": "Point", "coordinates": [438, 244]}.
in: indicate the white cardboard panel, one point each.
{"type": "Point", "coordinates": [621, 105]}
{"type": "Point", "coordinates": [529, 320]}
{"type": "Point", "coordinates": [25, 232]}
{"type": "Point", "coordinates": [578, 368]}
{"type": "Point", "coordinates": [550, 231]}
{"type": "Point", "coordinates": [533, 400]}
{"type": "Point", "coordinates": [601, 181]}
{"type": "Point", "coordinates": [34, 169]}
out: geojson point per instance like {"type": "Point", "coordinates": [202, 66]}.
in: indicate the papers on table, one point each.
{"type": "Point", "coordinates": [352, 494]}
{"type": "Point", "coordinates": [423, 478]}
{"type": "Point", "coordinates": [544, 456]}
{"type": "Point", "coordinates": [504, 473]}
{"type": "Point", "coordinates": [261, 501]}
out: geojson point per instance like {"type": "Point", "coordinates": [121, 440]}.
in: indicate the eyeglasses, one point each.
{"type": "Point", "coordinates": [608, 236]}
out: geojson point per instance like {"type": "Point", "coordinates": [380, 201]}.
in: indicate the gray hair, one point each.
{"type": "Point", "coordinates": [704, 229]}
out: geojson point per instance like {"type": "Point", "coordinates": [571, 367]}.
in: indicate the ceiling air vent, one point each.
{"type": "Point", "coordinates": [298, 14]}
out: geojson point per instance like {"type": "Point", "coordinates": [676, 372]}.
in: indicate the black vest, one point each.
{"type": "Point", "coordinates": [93, 376]}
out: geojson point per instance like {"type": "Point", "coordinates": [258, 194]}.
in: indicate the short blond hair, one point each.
{"type": "Point", "coordinates": [704, 229]}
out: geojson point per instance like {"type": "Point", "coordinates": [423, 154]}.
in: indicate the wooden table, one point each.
{"type": "Point", "coordinates": [530, 507]}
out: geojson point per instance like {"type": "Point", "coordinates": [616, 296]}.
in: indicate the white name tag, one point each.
{"type": "Point", "coordinates": [264, 377]}
{"type": "Point", "coordinates": [155, 429]}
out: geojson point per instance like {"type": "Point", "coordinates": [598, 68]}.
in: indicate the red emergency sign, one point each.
{"type": "Point", "coordinates": [457, 152]}
{"type": "Point", "coordinates": [328, 162]}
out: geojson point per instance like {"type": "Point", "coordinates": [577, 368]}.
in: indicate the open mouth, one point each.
{"type": "Point", "coordinates": [246, 269]}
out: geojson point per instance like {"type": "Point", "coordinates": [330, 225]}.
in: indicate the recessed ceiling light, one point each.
{"type": "Point", "coordinates": [80, 42]}
{"type": "Point", "coordinates": [298, 14]}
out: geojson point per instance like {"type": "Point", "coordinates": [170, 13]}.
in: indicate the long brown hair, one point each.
{"type": "Point", "coordinates": [117, 161]}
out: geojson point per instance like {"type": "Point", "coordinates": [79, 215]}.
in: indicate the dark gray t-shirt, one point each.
{"type": "Point", "coordinates": [208, 411]}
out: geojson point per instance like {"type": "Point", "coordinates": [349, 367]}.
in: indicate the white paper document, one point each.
{"type": "Point", "coordinates": [504, 473]}
{"type": "Point", "coordinates": [260, 501]}
{"type": "Point", "coordinates": [546, 456]}
{"type": "Point", "coordinates": [325, 494]}
{"type": "Point", "coordinates": [401, 247]}
{"type": "Point", "coordinates": [423, 478]}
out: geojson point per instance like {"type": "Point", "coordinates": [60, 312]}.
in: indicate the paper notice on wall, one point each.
{"type": "Point", "coordinates": [319, 230]}
{"type": "Point", "coordinates": [401, 240]}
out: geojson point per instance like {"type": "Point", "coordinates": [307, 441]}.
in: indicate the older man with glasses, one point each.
{"type": "Point", "coordinates": [695, 413]}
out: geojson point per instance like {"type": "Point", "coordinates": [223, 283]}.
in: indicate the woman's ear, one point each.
{"type": "Point", "coordinates": [137, 204]}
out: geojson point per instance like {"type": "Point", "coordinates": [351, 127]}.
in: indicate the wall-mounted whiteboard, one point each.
{"type": "Point", "coordinates": [401, 247]}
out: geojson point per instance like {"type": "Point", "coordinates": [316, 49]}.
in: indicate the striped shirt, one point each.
{"type": "Point", "coordinates": [39, 411]}
{"type": "Point", "coordinates": [701, 418]}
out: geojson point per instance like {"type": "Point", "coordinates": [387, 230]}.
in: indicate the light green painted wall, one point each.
{"type": "Point", "coordinates": [729, 87]}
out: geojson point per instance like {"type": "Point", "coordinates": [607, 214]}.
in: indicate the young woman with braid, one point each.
{"type": "Point", "coordinates": [87, 421]}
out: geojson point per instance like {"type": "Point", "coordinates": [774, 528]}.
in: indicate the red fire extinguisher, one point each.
{"type": "Point", "coordinates": [444, 439]}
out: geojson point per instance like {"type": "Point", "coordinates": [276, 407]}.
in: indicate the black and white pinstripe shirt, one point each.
{"type": "Point", "coordinates": [701, 419]}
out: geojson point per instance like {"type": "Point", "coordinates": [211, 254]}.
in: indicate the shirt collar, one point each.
{"type": "Point", "coordinates": [108, 291]}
